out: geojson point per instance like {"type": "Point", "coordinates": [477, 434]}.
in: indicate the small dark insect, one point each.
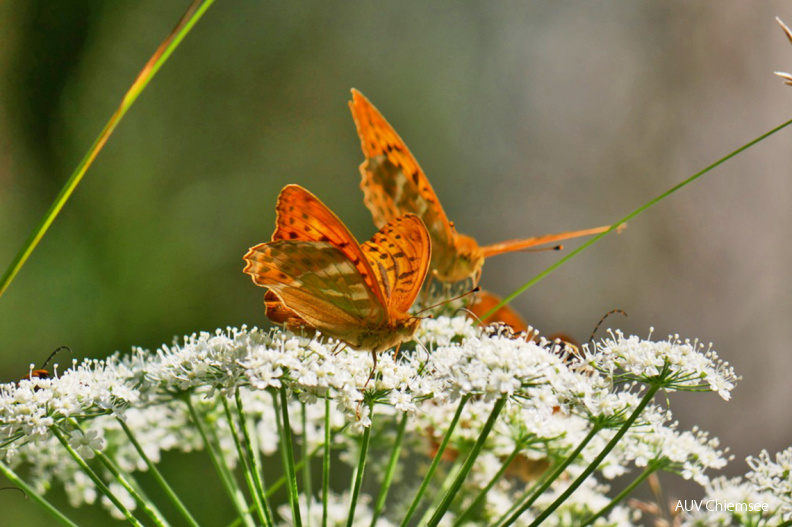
{"type": "Point", "coordinates": [44, 373]}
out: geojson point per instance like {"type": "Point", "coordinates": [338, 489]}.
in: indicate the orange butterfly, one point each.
{"type": "Point", "coordinates": [393, 184]}
{"type": "Point", "coordinates": [319, 277]}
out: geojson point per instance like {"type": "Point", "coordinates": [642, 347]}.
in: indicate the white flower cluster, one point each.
{"type": "Point", "coordinates": [551, 403]}
{"type": "Point", "coordinates": [774, 477]}
{"type": "Point", "coordinates": [677, 364]}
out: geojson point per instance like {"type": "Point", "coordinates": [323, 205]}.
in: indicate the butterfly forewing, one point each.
{"type": "Point", "coordinates": [399, 256]}
{"type": "Point", "coordinates": [393, 184]}
{"type": "Point", "coordinates": [302, 217]}
{"type": "Point", "coordinates": [318, 282]}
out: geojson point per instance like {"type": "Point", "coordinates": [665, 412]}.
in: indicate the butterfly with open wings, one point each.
{"type": "Point", "coordinates": [319, 277]}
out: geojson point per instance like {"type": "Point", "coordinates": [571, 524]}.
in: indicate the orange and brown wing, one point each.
{"type": "Point", "coordinates": [393, 184]}
{"type": "Point", "coordinates": [302, 216]}
{"type": "Point", "coordinates": [320, 284]}
{"type": "Point", "coordinates": [399, 254]}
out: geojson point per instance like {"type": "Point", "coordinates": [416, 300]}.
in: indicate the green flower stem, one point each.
{"type": "Point", "coordinates": [549, 479]}
{"type": "Point", "coordinates": [483, 492]}
{"type": "Point", "coordinates": [628, 217]}
{"type": "Point", "coordinates": [161, 55]}
{"type": "Point", "coordinates": [259, 495]}
{"type": "Point", "coordinates": [248, 466]}
{"type": "Point", "coordinates": [448, 481]}
{"type": "Point", "coordinates": [435, 462]}
{"type": "Point", "coordinates": [597, 460]}
{"type": "Point", "coordinates": [471, 459]}
{"type": "Point", "coordinates": [648, 471]}
{"type": "Point", "coordinates": [158, 476]}
{"type": "Point", "coordinates": [282, 480]}
{"type": "Point", "coordinates": [104, 489]}
{"type": "Point", "coordinates": [390, 471]}
{"type": "Point", "coordinates": [326, 463]}
{"type": "Point", "coordinates": [128, 482]}
{"type": "Point", "coordinates": [287, 453]}
{"type": "Point", "coordinates": [220, 467]}
{"type": "Point", "coordinates": [306, 470]}
{"type": "Point", "coordinates": [145, 504]}
{"type": "Point", "coordinates": [35, 496]}
{"type": "Point", "coordinates": [529, 492]}
{"type": "Point", "coordinates": [357, 482]}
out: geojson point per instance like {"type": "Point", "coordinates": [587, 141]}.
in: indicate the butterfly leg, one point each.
{"type": "Point", "coordinates": [371, 376]}
{"type": "Point", "coordinates": [373, 369]}
{"type": "Point", "coordinates": [396, 353]}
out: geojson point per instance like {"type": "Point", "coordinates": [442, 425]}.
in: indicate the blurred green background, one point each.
{"type": "Point", "coordinates": [528, 118]}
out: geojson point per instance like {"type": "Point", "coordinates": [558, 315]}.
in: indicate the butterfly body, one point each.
{"type": "Point", "coordinates": [320, 278]}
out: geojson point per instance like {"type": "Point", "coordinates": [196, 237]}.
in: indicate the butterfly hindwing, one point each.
{"type": "Point", "coordinates": [317, 281]}
{"type": "Point", "coordinates": [302, 217]}
{"type": "Point", "coordinates": [399, 256]}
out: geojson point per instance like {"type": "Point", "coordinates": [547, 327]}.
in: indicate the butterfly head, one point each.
{"type": "Point", "coordinates": [468, 261]}
{"type": "Point", "coordinates": [410, 326]}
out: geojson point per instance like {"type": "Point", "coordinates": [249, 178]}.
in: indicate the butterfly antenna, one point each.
{"type": "Point", "coordinates": [52, 355]}
{"type": "Point", "coordinates": [472, 291]}
{"type": "Point", "coordinates": [606, 315]}
{"type": "Point", "coordinates": [542, 249]}
{"type": "Point", "coordinates": [470, 314]}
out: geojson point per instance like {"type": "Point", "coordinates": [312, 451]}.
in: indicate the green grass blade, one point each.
{"type": "Point", "coordinates": [533, 281]}
{"type": "Point", "coordinates": [164, 51]}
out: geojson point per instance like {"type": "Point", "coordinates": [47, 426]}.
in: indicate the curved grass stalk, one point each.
{"type": "Point", "coordinates": [189, 19]}
{"type": "Point", "coordinates": [591, 241]}
{"type": "Point", "coordinates": [35, 496]}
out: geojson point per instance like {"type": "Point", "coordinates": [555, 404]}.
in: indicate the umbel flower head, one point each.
{"type": "Point", "coordinates": [501, 410]}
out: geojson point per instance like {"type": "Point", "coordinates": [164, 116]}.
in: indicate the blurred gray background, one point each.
{"type": "Point", "coordinates": [528, 118]}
